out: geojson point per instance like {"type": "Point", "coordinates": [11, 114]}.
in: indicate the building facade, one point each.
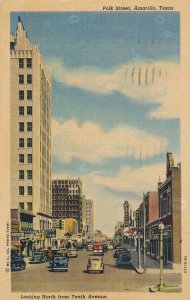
{"type": "Point", "coordinates": [67, 200]}
{"type": "Point", "coordinates": [164, 206]}
{"type": "Point", "coordinates": [89, 218]}
{"type": "Point", "coordinates": [30, 92]}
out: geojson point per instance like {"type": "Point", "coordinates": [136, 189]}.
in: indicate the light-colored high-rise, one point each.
{"type": "Point", "coordinates": [89, 218]}
{"type": "Point", "coordinates": [30, 133]}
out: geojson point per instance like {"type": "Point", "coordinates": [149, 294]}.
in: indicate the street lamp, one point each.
{"type": "Point", "coordinates": [161, 229]}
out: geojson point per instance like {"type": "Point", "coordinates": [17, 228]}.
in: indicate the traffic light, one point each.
{"type": "Point", "coordinates": [61, 224]}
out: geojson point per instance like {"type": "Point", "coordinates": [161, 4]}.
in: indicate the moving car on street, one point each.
{"type": "Point", "coordinates": [118, 249]}
{"type": "Point", "coordinates": [89, 247]}
{"type": "Point", "coordinates": [95, 264]}
{"type": "Point", "coordinates": [72, 252]}
{"type": "Point", "coordinates": [17, 263]}
{"type": "Point", "coordinates": [124, 259]}
{"type": "Point", "coordinates": [37, 257]}
{"type": "Point", "coordinates": [98, 248]}
{"type": "Point", "coordinates": [59, 263]}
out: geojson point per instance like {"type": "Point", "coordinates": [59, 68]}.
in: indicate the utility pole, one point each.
{"type": "Point", "coordinates": [144, 233]}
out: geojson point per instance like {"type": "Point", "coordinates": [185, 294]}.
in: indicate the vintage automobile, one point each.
{"type": "Point", "coordinates": [58, 254]}
{"type": "Point", "coordinates": [72, 252]}
{"type": "Point", "coordinates": [37, 257]}
{"type": "Point", "coordinates": [95, 264]}
{"type": "Point", "coordinates": [124, 259]}
{"type": "Point", "coordinates": [118, 249]}
{"type": "Point", "coordinates": [59, 263]}
{"type": "Point", "coordinates": [17, 263]}
{"type": "Point", "coordinates": [89, 247]}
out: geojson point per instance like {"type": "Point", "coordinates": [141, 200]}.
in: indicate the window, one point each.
{"type": "Point", "coordinates": [29, 206]}
{"type": "Point", "coordinates": [21, 79]}
{"type": "Point", "coordinates": [29, 78]}
{"type": "Point", "coordinates": [21, 95]}
{"type": "Point", "coordinates": [21, 126]}
{"type": "Point", "coordinates": [29, 189]}
{"type": "Point", "coordinates": [29, 142]}
{"type": "Point", "coordinates": [29, 126]}
{"type": "Point", "coordinates": [21, 63]}
{"type": "Point", "coordinates": [29, 62]}
{"type": "Point", "coordinates": [21, 174]}
{"type": "Point", "coordinates": [21, 205]}
{"type": "Point", "coordinates": [21, 190]}
{"type": "Point", "coordinates": [29, 95]}
{"type": "Point", "coordinates": [21, 110]}
{"type": "Point", "coordinates": [29, 174]}
{"type": "Point", "coordinates": [21, 158]}
{"type": "Point", "coordinates": [29, 110]}
{"type": "Point", "coordinates": [21, 143]}
{"type": "Point", "coordinates": [29, 158]}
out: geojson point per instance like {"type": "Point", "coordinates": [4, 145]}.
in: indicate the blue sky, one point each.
{"type": "Point", "coordinates": [107, 129]}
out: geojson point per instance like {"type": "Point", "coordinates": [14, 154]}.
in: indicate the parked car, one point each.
{"type": "Point", "coordinates": [95, 264]}
{"type": "Point", "coordinates": [72, 252]}
{"type": "Point", "coordinates": [17, 263]}
{"type": "Point", "coordinates": [124, 259]}
{"type": "Point", "coordinates": [118, 249]}
{"type": "Point", "coordinates": [60, 263]}
{"type": "Point", "coordinates": [89, 247]}
{"type": "Point", "coordinates": [37, 257]}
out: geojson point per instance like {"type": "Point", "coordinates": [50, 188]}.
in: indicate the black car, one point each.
{"type": "Point", "coordinates": [118, 249]}
{"type": "Point", "coordinates": [58, 254]}
{"type": "Point", "coordinates": [17, 263]}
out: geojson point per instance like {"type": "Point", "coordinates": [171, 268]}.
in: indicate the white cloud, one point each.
{"type": "Point", "coordinates": [143, 82]}
{"type": "Point", "coordinates": [134, 181]}
{"type": "Point", "coordinates": [89, 142]}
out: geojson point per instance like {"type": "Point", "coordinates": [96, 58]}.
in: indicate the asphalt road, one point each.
{"type": "Point", "coordinates": [38, 278]}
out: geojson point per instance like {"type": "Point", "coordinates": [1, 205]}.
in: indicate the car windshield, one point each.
{"type": "Point", "coordinates": [37, 253]}
{"type": "Point", "coordinates": [58, 259]}
{"type": "Point", "coordinates": [17, 258]}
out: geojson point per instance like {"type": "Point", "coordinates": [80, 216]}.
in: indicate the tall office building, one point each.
{"type": "Point", "coordinates": [30, 91]}
{"type": "Point", "coordinates": [67, 200]}
{"type": "Point", "coordinates": [89, 218]}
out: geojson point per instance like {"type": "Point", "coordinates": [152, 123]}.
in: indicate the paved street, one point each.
{"type": "Point", "coordinates": [38, 278]}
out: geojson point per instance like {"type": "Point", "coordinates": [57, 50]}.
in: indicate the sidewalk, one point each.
{"type": "Point", "coordinates": [152, 265]}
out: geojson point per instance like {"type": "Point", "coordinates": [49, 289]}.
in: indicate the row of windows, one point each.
{"type": "Point", "coordinates": [64, 215]}
{"type": "Point", "coordinates": [21, 126]}
{"type": "Point", "coordinates": [65, 203]}
{"type": "Point", "coordinates": [28, 79]}
{"type": "Point", "coordinates": [29, 205]}
{"type": "Point", "coordinates": [22, 158]}
{"type": "Point", "coordinates": [64, 209]}
{"type": "Point", "coordinates": [21, 174]}
{"type": "Point", "coordinates": [21, 63]}
{"type": "Point", "coordinates": [22, 190]}
{"type": "Point", "coordinates": [21, 142]}
{"type": "Point", "coordinates": [60, 191]}
{"type": "Point", "coordinates": [21, 110]}
{"type": "Point", "coordinates": [22, 96]}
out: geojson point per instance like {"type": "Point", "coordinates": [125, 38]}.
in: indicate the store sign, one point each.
{"type": "Point", "coordinates": [51, 233]}
{"type": "Point", "coordinates": [154, 236]}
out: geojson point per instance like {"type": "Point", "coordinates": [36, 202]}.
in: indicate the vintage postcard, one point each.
{"type": "Point", "coordinates": [95, 149]}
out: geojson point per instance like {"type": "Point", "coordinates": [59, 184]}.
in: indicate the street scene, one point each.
{"type": "Point", "coordinates": [115, 278]}
{"type": "Point", "coordinates": [95, 152]}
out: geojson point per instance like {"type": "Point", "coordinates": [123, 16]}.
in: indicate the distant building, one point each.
{"type": "Point", "coordinates": [89, 218]}
{"type": "Point", "coordinates": [30, 106]}
{"type": "Point", "coordinates": [67, 200]}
